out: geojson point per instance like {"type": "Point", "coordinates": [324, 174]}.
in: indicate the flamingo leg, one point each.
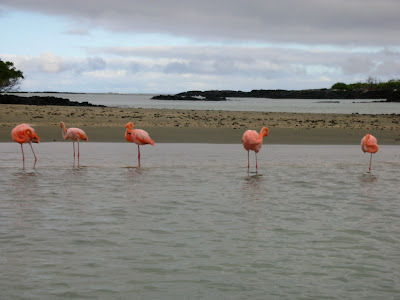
{"type": "Point", "coordinates": [138, 154]}
{"type": "Point", "coordinates": [23, 157]}
{"type": "Point", "coordinates": [256, 164]}
{"type": "Point", "coordinates": [248, 161]}
{"type": "Point", "coordinates": [78, 154]}
{"type": "Point", "coordinates": [73, 145]}
{"type": "Point", "coordinates": [30, 144]}
{"type": "Point", "coordinates": [370, 162]}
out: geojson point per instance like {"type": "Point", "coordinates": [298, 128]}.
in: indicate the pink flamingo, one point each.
{"type": "Point", "coordinates": [253, 141]}
{"type": "Point", "coordinates": [22, 134]}
{"type": "Point", "coordinates": [137, 136]}
{"type": "Point", "coordinates": [369, 144]}
{"type": "Point", "coordinates": [74, 134]}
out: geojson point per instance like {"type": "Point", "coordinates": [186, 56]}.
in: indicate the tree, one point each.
{"type": "Point", "coordinates": [9, 76]}
{"type": "Point", "coordinates": [371, 82]}
{"type": "Point", "coordinates": [340, 86]}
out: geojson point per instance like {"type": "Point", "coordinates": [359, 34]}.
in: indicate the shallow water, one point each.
{"type": "Point", "coordinates": [192, 223]}
{"type": "Point", "coordinates": [340, 106]}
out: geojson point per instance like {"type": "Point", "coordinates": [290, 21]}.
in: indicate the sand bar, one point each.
{"type": "Point", "coordinates": [200, 126]}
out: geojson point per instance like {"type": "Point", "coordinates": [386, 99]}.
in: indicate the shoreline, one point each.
{"type": "Point", "coordinates": [286, 136]}
{"type": "Point", "coordinates": [107, 124]}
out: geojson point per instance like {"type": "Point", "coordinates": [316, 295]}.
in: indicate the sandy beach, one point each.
{"type": "Point", "coordinates": [106, 124]}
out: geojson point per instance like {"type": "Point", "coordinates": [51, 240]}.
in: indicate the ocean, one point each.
{"type": "Point", "coordinates": [192, 223]}
{"type": "Point", "coordinates": [361, 106]}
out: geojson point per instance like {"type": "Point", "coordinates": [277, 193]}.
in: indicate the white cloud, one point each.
{"type": "Point", "coordinates": [236, 44]}
{"type": "Point", "coordinates": [162, 69]}
{"type": "Point", "coordinates": [77, 31]}
{"type": "Point", "coordinates": [334, 22]}
{"type": "Point", "coordinates": [50, 63]}
{"type": "Point", "coordinates": [95, 63]}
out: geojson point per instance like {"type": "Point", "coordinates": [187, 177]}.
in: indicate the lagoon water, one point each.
{"type": "Point", "coordinates": [191, 223]}
{"type": "Point", "coordinates": [361, 106]}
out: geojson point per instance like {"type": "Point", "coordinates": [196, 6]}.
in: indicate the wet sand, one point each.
{"type": "Point", "coordinates": [200, 126]}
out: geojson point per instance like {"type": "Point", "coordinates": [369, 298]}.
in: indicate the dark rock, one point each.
{"type": "Point", "coordinates": [216, 95]}
{"type": "Point", "coordinates": [190, 97]}
{"type": "Point", "coordinates": [394, 97]}
{"type": "Point", "coordinates": [39, 100]}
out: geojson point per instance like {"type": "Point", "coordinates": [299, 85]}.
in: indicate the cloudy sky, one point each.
{"type": "Point", "coordinates": [168, 46]}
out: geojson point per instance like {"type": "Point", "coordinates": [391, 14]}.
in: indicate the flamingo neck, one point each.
{"type": "Point", "coordinates": [129, 126]}
{"type": "Point", "coordinates": [264, 132]}
{"type": "Point", "coordinates": [260, 138]}
{"type": "Point", "coordinates": [64, 131]}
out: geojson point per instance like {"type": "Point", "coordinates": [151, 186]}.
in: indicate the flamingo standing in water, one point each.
{"type": "Point", "coordinates": [22, 134]}
{"type": "Point", "coordinates": [252, 140]}
{"type": "Point", "coordinates": [137, 136]}
{"type": "Point", "coordinates": [74, 134]}
{"type": "Point", "coordinates": [369, 144]}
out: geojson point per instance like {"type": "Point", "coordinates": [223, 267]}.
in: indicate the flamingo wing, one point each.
{"type": "Point", "coordinates": [369, 144]}
{"type": "Point", "coordinates": [251, 140]}
{"type": "Point", "coordinates": [76, 134]}
{"type": "Point", "coordinates": [372, 144]}
{"type": "Point", "coordinates": [24, 133]}
{"type": "Point", "coordinates": [142, 137]}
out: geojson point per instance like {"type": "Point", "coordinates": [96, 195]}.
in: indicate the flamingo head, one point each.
{"type": "Point", "coordinates": [62, 125]}
{"type": "Point", "coordinates": [33, 136]}
{"type": "Point", "coordinates": [264, 131]}
{"type": "Point", "coordinates": [129, 126]}
{"type": "Point", "coordinates": [36, 138]}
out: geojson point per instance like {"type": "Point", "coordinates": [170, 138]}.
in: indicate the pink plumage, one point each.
{"type": "Point", "coordinates": [252, 140]}
{"type": "Point", "coordinates": [25, 134]}
{"type": "Point", "coordinates": [137, 136]}
{"type": "Point", "coordinates": [369, 144]}
{"type": "Point", "coordinates": [74, 134]}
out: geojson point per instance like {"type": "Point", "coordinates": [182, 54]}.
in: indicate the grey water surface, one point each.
{"type": "Point", "coordinates": [191, 223]}
{"type": "Point", "coordinates": [340, 106]}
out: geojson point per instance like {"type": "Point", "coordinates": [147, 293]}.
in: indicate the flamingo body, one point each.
{"type": "Point", "coordinates": [74, 134]}
{"type": "Point", "coordinates": [369, 144]}
{"type": "Point", "coordinates": [137, 136]}
{"type": "Point", "coordinates": [252, 140]}
{"type": "Point", "coordinates": [25, 134]}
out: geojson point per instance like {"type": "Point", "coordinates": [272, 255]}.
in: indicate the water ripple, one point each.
{"type": "Point", "coordinates": [312, 226]}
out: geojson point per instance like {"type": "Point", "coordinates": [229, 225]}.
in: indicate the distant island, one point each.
{"type": "Point", "coordinates": [370, 89]}
{"type": "Point", "coordinates": [194, 96]}
{"type": "Point", "coordinates": [42, 100]}
{"type": "Point", "coordinates": [390, 95]}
